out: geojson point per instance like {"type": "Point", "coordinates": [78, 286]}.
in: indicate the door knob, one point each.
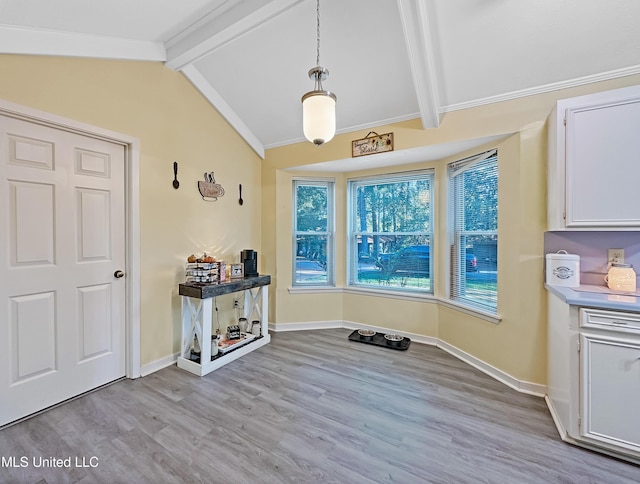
{"type": "Point", "coordinates": [118, 274]}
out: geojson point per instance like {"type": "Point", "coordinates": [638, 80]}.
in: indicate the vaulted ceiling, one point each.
{"type": "Point", "coordinates": [389, 60]}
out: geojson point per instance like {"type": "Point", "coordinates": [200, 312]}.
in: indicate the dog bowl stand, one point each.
{"type": "Point", "coordinates": [378, 339]}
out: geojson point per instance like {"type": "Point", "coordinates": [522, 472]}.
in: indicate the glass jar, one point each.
{"type": "Point", "coordinates": [255, 328]}
{"type": "Point", "coordinates": [214, 345]}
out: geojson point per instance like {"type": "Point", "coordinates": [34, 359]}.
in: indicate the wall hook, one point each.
{"type": "Point", "coordinates": [176, 183]}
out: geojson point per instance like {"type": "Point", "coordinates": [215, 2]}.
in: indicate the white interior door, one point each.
{"type": "Point", "coordinates": [62, 238]}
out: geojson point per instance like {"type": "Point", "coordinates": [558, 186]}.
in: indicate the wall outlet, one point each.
{"type": "Point", "coordinates": [616, 255]}
{"type": "Point", "coordinates": [236, 303]}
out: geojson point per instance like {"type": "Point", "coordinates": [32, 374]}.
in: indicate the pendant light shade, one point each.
{"type": "Point", "coordinates": [319, 111]}
{"type": "Point", "coordinates": [318, 106]}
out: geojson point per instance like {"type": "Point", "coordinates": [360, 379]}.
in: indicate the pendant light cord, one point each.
{"type": "Point", "coordinates": [318, 118]}
{"type": "Point", "coordinates": [318, 32]}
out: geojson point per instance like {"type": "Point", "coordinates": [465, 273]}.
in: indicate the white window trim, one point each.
{"type": "Point", "coordinates": [331, 230]}
{"type": "Point", "coordinates": [313, 289]}
{"type": "Point", "coordinates": [469, 163]}
{"type": "Point", "coordinates": [392, 293]}
{"type": "Point", "coordinates": [494, 318]}
{"type": "Point", "coordinates": [351, 261]}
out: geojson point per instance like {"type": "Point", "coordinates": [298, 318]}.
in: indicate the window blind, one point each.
{"type": "Point", "coordinates": [473, 188]}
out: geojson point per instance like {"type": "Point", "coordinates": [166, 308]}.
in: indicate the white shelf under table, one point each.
{"type": "Point", "coordinates": [197, 310]}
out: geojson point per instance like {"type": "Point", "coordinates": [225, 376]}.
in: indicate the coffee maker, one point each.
{"type": "Point", "coordinates": [249, 259]}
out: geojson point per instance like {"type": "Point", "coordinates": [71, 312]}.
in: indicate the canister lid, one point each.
{"type": "Point", "coordinates": [562, 255]}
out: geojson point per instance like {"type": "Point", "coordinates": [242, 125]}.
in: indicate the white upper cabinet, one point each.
{"type": "Point", "coordinates": [594, 162]}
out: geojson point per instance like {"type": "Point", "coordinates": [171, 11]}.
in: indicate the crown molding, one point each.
{"type": "Point", "coordinates": [555, 86]}
{"type": "Point", "coordinates": [350, 129]}
{"type": "Point", "coordinates": [207, 90]}
{"type": "Point", "coordinates": [20, 40]}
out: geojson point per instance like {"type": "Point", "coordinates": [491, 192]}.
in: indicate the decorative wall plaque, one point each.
{"type": "Point", "coordinates": [209, 189]}
{"type": "Point", "coordinates": [371, 144]}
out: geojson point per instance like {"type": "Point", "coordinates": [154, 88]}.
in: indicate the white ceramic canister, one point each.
{"type": "Point", "coordinates": [563, 269]}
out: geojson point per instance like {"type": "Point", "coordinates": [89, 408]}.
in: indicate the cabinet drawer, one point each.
{"type": "Point", "coordinates": [610, 320]}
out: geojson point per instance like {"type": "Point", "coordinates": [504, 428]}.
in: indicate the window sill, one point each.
{"type": "Point", "coordinates": [406, 295]}
{"type": "Point", "coordinates": [313, 289]}
{"type": "Point", "coordinates": [478, 313]}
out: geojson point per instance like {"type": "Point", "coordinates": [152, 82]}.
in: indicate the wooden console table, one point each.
{"type": "Point", "coordinates": [197, 309]}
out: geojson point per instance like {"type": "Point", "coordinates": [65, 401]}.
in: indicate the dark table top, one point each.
{"type": "Point", "coordinates": [207, 290]}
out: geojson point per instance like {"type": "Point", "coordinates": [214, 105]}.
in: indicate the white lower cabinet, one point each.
{"type": "Point", "coordinates": [610, 391]}
{"type": "Point", "coordinates": [594, 377]}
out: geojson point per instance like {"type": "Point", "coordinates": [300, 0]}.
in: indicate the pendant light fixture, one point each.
{"type": "Point", "coordinates": [318, 106]}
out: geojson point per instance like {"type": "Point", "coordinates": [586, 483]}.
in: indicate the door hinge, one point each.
{"type": "Point", "coordinates": [578, 346]}
{"type": "Point", "coordinates": [579, 421]}
{"type": "Point", "coordinates": [564, 214]}
{"type": "Point", "coordinates": [564, 121]}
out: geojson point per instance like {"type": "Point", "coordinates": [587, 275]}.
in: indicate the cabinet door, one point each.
{"type": "Point", "coordinates": [603, 164]}
{"type": "Point", "coordinates": [610, 396]}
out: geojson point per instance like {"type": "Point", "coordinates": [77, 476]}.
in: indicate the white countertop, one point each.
{"type": "Point", "coordinates": [595, 297]}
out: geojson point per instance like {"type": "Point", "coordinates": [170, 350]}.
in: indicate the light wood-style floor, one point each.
{"type": "Point", "coordinates": [310, 407]}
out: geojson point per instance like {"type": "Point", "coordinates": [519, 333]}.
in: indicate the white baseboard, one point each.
{"type": "Point", "coordinates": [159, 364]}
{"type": "Point", "coordinates": [305, 326]}
{"type": "Point", "coordinates": [556, 418]}
{"type": "Point", "coordinates": [520, 386]}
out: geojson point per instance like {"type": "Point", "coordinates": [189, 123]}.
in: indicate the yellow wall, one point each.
{"type": "Point", "coordinates": [172, 121]}
{"type": "Point", "coordinates": [517, 345]}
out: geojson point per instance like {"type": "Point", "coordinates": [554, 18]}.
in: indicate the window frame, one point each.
{"type": "Point", "coordinates": [458, 270]}
{"type": "Point", "coordinates": [353, 233]}
{"type": "Point", "coordinates": [329, 184]}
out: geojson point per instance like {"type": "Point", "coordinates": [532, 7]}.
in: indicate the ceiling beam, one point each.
{"type": "Point", "coordinates": [207, 90]}
{"type": "Point", "coordinates": [21, 40]}
{"type": "Point", "coordinates": [220, 27]}
{"type": "Point", "coordinates": [423, 57]}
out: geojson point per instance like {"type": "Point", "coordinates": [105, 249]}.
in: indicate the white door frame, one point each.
{"type": "Point", "coordinates": [132, 213]}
